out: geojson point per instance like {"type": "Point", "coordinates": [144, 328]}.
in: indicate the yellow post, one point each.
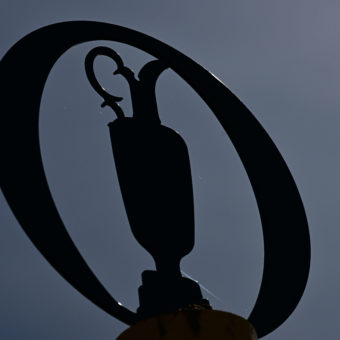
{"type": "Point", "coordinates": [191, 324]}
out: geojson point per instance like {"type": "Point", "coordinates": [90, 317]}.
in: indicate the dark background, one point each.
{"type": "Point", "coordinates": [281, 58]}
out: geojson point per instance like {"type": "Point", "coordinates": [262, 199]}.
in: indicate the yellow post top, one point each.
{"type": "Point", "coordinates": [191, 324]}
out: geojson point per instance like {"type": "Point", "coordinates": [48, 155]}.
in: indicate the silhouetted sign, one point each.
{"type": "Point", "coordinates": [23, 181]}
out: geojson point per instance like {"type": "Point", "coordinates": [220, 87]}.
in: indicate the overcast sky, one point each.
{"type": "Point", "coordinates": [281, 58]}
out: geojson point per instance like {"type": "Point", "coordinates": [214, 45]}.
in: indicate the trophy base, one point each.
{"type": "Point", "coordinates": [191, 324]}
{"type": "Point", "coordinates": [161, 294]}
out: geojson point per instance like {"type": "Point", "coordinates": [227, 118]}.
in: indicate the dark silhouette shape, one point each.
{"type": "Point", "coordinates": [285, 229]}
{"type": "Point", "coordinates": [109, 100]}
{"type": "Point", "coordinates": [153, 168]}
{"type": "Point", "coordinates": [143, 95]}
{"type": "Point", "coordinates": [163, 292]}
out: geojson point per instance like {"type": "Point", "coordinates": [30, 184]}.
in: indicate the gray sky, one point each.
{"type": "Point", "coordinates": [281, 58]}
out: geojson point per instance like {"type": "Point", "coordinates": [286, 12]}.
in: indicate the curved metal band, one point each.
{"type": "Point", "coordinates": [286, 237]}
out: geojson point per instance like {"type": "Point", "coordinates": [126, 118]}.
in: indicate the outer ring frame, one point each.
{"type": "Point", "coordinates": [23, 73]}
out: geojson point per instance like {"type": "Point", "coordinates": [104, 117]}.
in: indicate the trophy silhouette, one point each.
{"type": "Point", "coordinates": [153, 169]}
{"type": "Point", "coordinates": [154, 175]}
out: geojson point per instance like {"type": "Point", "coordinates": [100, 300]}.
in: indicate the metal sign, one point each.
{"type": "Point", "coordinates": [285, 229]}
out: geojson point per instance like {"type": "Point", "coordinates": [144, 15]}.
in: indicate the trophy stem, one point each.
{"type": "Point", "coordinates": [168, 267]}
